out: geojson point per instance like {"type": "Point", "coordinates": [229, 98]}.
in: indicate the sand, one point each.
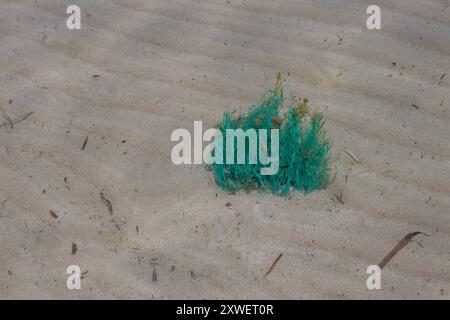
{"type": "Point", "coordinates": [139, 69]}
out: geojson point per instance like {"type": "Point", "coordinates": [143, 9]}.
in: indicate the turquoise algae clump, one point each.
{"type": "Point", "coordinates": [304, 150]}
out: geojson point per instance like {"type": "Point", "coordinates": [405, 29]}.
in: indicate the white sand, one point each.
{"type": "Point", "coordinates": [165, 63]}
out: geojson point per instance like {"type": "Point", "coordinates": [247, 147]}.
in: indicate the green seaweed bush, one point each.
{"type": "Point", "coordinates": [304, 150]}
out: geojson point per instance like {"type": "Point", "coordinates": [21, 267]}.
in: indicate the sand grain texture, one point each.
{"type": "Point", "coordinates": [139, 69]}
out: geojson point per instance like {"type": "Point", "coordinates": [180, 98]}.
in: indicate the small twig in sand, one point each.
{"type": "Point", "coordinates": [74, 248]}
{"type": "Point", "coordinates": [339, 197]}
{"type": "Point", "coordinates": [273, 264]}
{"type": "Point", "coordinates": [106, 202]}
{"type": "Point", "coordinates": [352, 156]}
{"type": "Point", "coordinates": [415, 105]}
{"type": "Point", "coordinates": [418, 243]}
{"type": "Point", "coordinates": [7, 118]}
{"type": "Point", "coordinates": [17, 120]}
{"type": "Point", "coordinates": [398, 247]}
{"type": "Point", "coordinates": [84, 144]}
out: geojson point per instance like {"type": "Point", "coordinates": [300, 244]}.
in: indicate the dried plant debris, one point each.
{"type": "Point", "coordinates": [53, 214]}
{"type": "Point", "coordinates": [7, 118]}
{"type": "Point", "coordinates": [84, 143]}
{"type": "Point", "coordinates": [273, 264]}
{"type": "Point", "coordinates": [339, 197]}
{"type": "Point", "coordinates": [106, 202]}
{"type": "Point", "coordinates": [352, 156]}
{"type": "Point", "coordinates": [83, 274]}
{"type": "Point", "coordinates": [74, 248]}
{"type": "Point", "coordinates": [10, 122]}
{"type": "Point", "coordinates": [402, 243]}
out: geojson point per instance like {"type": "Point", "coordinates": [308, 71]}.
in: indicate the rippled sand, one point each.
{"type": "Point", "coordinates": [162, 64]}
